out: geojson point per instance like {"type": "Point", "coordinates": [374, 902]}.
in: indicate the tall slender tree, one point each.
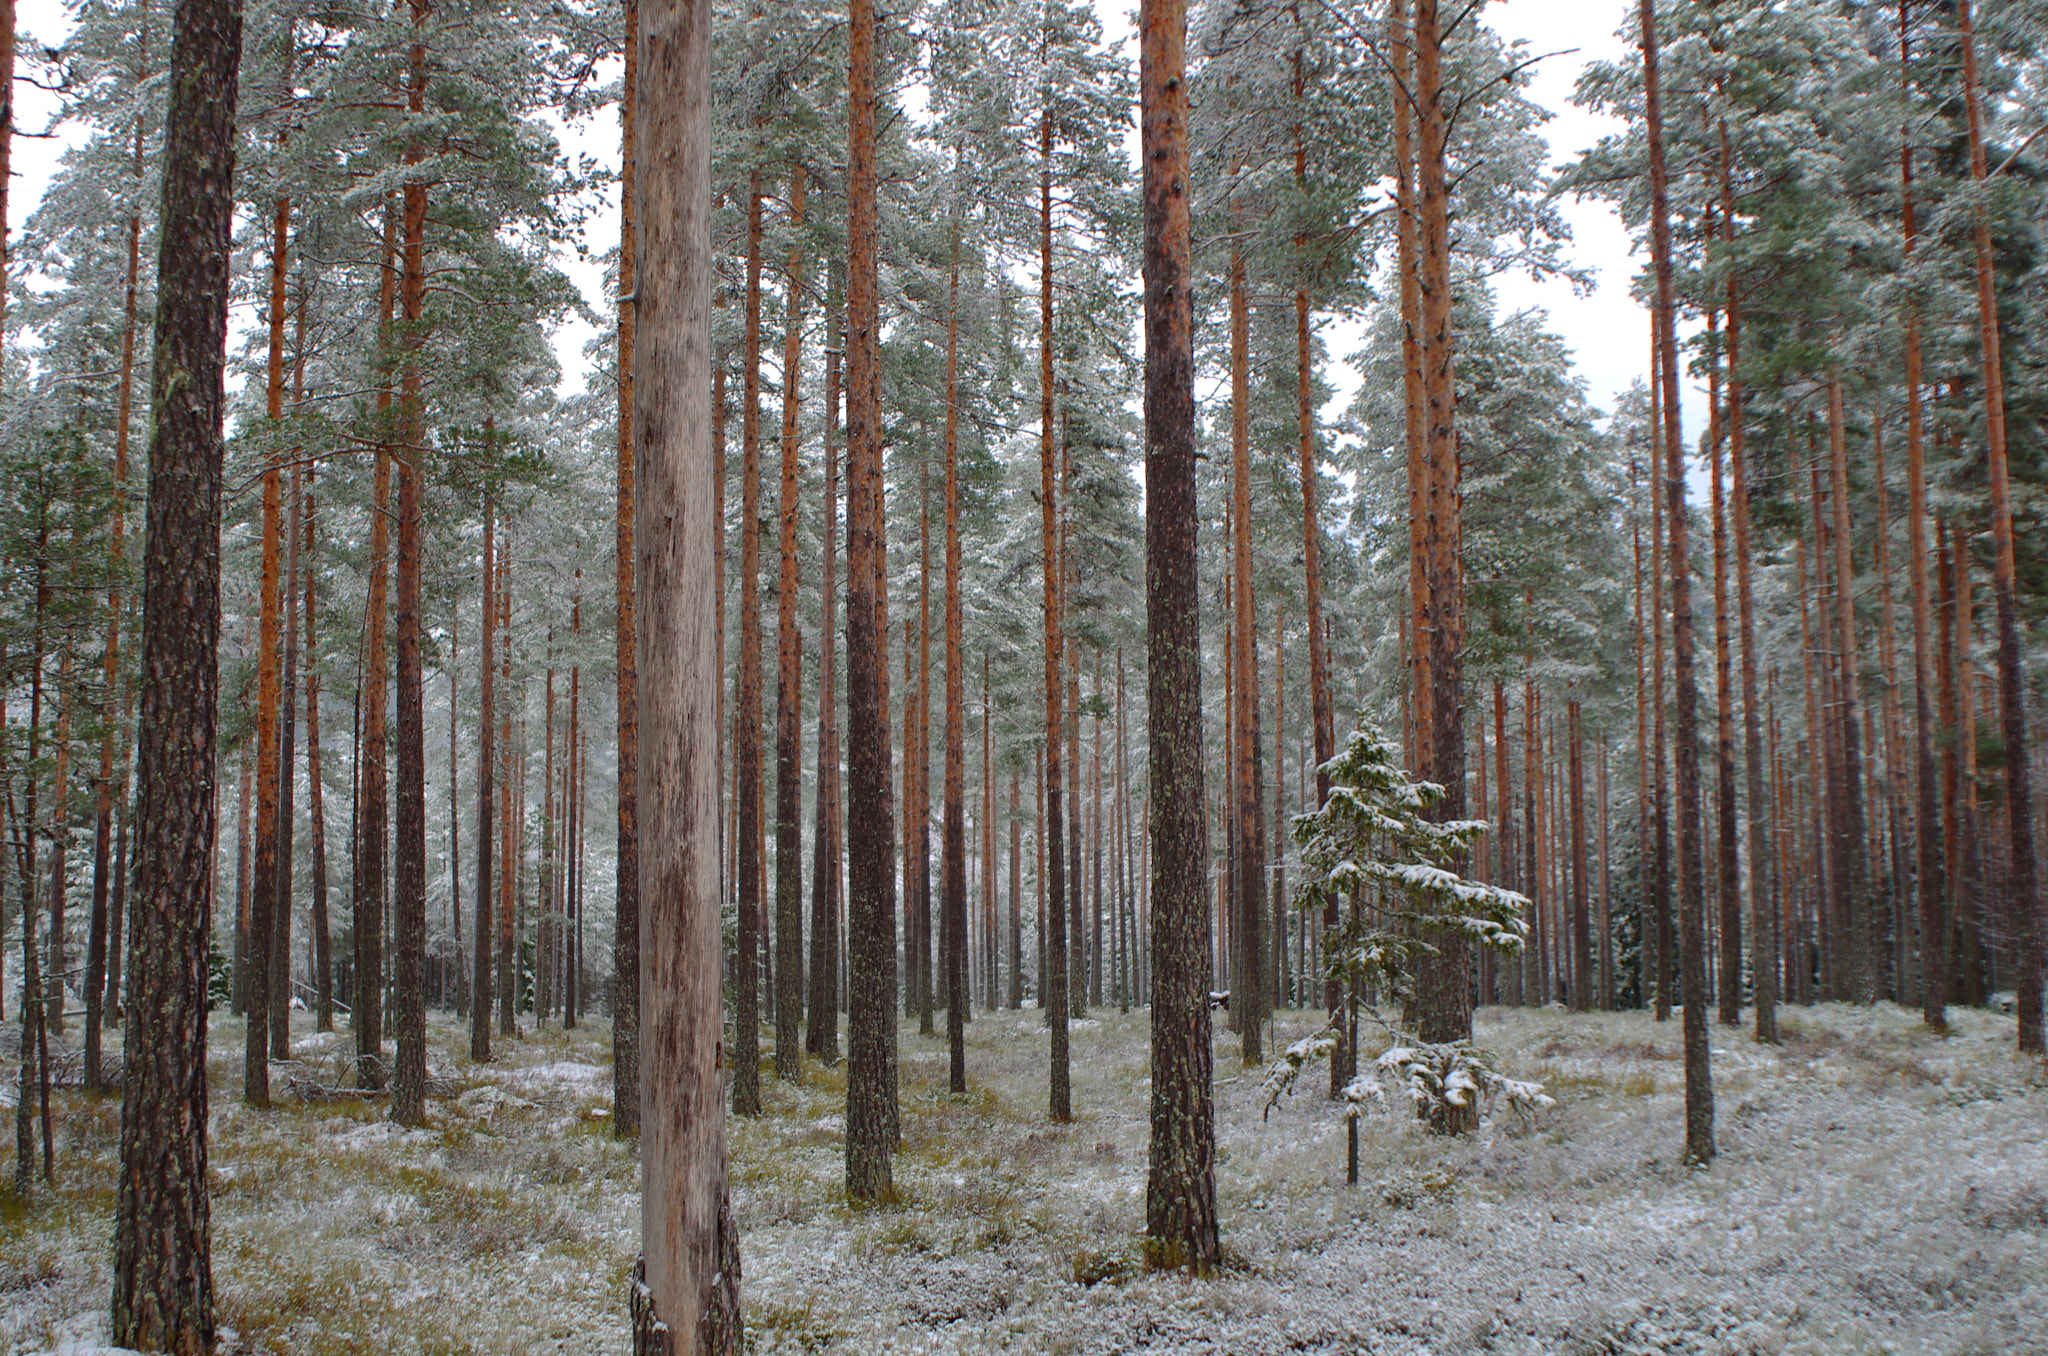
{"type": "Point", "coordinates": [1180, 1187]}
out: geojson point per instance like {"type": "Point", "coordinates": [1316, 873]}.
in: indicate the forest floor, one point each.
{"type": "Point", "coordinates": [1878, 1189]}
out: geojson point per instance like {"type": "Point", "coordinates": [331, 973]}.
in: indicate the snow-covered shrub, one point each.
{"type": "Point", "coordinates": [1434, 1075]}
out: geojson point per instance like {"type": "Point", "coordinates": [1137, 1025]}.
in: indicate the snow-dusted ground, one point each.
{"type": "Point", "coordinates": [1879, 1189]}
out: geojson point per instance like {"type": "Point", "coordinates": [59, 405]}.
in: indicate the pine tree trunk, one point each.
{"type": "Point", "coordinates": [486, 793]}
{"type": "Point", "coordinates": [163, 1281]}
{"type": "Point", "coordinates": [1657, 929]}
{"type": "Point", "coordinates": [287, 813]}
{"type": "Point", "coordinates": [689, 1276]}
{"type": "Point", "coordinates": [1767, 942]}
{"type": "Point", "coordinates": [1016, 990]}
{"type": "Point", "coordinates": [1699, 1092]}
{"type": "Point", "coordinates": [626, 909]}
{"type": "Point", "coordinates": [1053, 976]}
{"type": "Point", "coordinates": [316, 791]}
{"type": "Point", "coordinates": [367, 982]}
{"type": "Point", "coordinates": [871, 1123]}
{"type": "Point", "coordinates": [1442, 982]}
{"type": "Point", "coordinates": [1727, 857]}
{"type": "Point", "coordinates": [821, 1036]}
{"type": "Point", "coordinates": [1861, 986]}
{"type": "Point", "coordinates": [1247, 842]}
{"type": "Point", "coordinates": [920, 846]}
{"type": "Point", "coordinates": [1584, 995]}
{"type": "Point", "coordinates": [508, 812]}
{"type": "Point", "coordinates": [1180, 1198]}
{"type": "Point", "coordinates": [953, 835]}
{"type": "Point", "coordinates": [264, 901]}
{"type": "Point", "coordinates": [2019, 791]}
{"type": "Point", "coordinates": [409, 895]}
{"type": "Point", "coordinates": [746, 1007]}
{"type": "Point", "coordinates": [789, 881]}
{"type": "Point", "coordinates": [103, 979]}
{"type": "Point", "coordinates": [1930, 882]}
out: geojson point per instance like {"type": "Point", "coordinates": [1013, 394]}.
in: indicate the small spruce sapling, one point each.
{"type": "Point", "coordinates": [1372, 850]}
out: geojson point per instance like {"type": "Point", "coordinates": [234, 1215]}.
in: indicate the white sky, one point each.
{"type": "Point", "coordinates": [1606, 329]}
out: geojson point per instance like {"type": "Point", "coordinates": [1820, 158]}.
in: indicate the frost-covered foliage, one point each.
{"type": "Point", "coordinates": [1372, 850]}
{"type": "Point", "coordinates": [1434, 1074]}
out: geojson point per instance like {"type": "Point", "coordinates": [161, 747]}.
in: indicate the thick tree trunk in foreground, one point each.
{"type": "Point", "coordinates": [2019, 783]}
{"type": "Point", "coordinates": [690, 1245]}
{"type": "Point", "coordinates": [1180, 1187]}
{"type": "Point", "coordinates": [163, 1277]}
{"type": "Point", "coordinates": [626, 910]}
{"type": "Point", "coordinates": [1699, 1090]}
{"type": "Point", "coordinates": [871, 1119]}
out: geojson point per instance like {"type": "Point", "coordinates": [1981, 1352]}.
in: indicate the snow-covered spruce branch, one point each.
{"type": "Point", "coordinates": [1434, 1074]}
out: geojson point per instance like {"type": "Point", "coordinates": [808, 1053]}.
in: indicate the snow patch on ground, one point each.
{"type": "Point", "coordinates": [1879, 1189]}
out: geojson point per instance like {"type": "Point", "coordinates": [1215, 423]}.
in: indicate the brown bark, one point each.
{"type": "Point", "coordinates": [316, 793]}
{"type": "Point", "coordinates": [746, 1007]}
{"type": "Point", "coordinates": [1442, 986]}
{"type": "Point", "coordinates": [508, 811]}
{"type": "Point", "coordinates": [918, 758]}
{"type": "Point", "coordinates": [626, 909]}
{"type": "Point", "coordinates": [1408, 248]}
{"type": "Point", "coordinates": [1766, 940]}
{"type": "Point", "coordinates": [366, 989]}
{"type": "Point", "coordinates": [409, 895]}
{"type": "Point", "coordinates": [1180, 1197]}
{"type": "Point", "coordinates": [690, 1243]}
{"type": "Point", "coordinates": [1053, 976]}
{"type": "Point", "coordinates": [953, 834]}
{"type": "Point", "coordinates": [1862, 985]}
{"type": "Point", "coordinates": [2019, 792]}
{"type": "Point", "coordinates": [789, 668]}
{"type": "Point", "coordinates": [1657, 929]}
{"type": "Point", "coordinates": [871, 1108]}
{"type": "Point", "coordinates": [1248, 839]}
{"type": "Point", "coordinates": [1584, 991]}
{"type": "Point", "coordinates": [163, 1286]}
{"type": "Point", "coordinates": [264, 902]}
{"type": "Point", "coordinates": [1699, 1092]}
{"type": "Point", "coordinates": [1016, 990]}
{"type": "Point", "coordinates": [486, 791]}
{"type": "Point", "coordinates": [1728, 880]}
{"type": "Point", "coordinates": [821, 1034]}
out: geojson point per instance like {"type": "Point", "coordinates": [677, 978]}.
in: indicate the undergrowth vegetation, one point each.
{"type": "Point", "coordinates": [1880, 1188]}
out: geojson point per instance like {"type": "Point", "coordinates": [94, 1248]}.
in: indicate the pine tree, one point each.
{"type": "Point", "coordinates": [163, 1285]}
